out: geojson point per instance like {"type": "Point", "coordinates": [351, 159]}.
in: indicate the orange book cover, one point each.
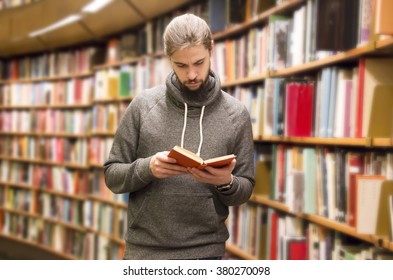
{"type": "Point", "coordinates": [187, 158]}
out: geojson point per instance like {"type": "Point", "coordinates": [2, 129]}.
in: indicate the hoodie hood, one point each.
{"type": "Point", "coordinates": [208, 94]}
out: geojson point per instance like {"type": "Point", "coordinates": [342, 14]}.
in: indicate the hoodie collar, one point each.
{"type": "Point", "coordinates": [209, 95]}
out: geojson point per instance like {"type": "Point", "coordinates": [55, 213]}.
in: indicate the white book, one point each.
{"type": "Point", "coordinates": [368, 198]}
{"type": "Point", "coordinates": [339, 114]}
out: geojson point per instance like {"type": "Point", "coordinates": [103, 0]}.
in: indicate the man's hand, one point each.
{"type": "Point", "coordinates": [214, 176]}
{"type": "Point", "coordinates": [163, 166]}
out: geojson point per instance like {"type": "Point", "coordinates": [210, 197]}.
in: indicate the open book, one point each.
{"type": "Point", "coordinates": [187, 158]}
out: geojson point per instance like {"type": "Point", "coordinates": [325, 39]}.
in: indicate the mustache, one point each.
{"type": "Point", "coordinates": [193, 81]}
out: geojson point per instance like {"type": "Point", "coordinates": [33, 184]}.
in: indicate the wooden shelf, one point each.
{"type": "Point", "coordinates": [244, 81]}
{"type": "Point", "coordinates": [47, 79]}
{"type": "Point", "coordinates": [103, 133]}
{"type": "Point", "coordinates": [57, 221]}
{"type": "Point", "coordinates": [46, 162]}
{"type": "Point", "coordinates": [233, 249]}
{"type": "Point", "coordinates": [307, 67]}
{"type": "Point", "coordinates": [118, 63]}
{"type": "Point", "coordinates": [76, 196]}
{"type": "Point", "coordinates": [21, 212]}
{"type": "Point", "coordinates": [385, 43]}
{"type": "Point", "coordinates": [113, 100]}
{"type": "Point", "coordinates": [96, 165]}
{"type": "Point", "coordinates": [357, 142]}
{"type": "Point", "coordinates": [317, 64]}
{"type": "Point", "coordinates": [18, 185]}
{"type": "Point", "coordinates": [47, 249]}
{"type": "Point", "coordinates": [43, 134]}
{"type": "Point", "coordinates": [45, 106]}
{"type": "Point", "coordinates": [109, 236]}
{"type": "Point", "coordinates": [107, 201]}
{"type": "Point", "coordinates": [325, 222]}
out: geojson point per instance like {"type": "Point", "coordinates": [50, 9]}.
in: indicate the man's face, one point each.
{"type": "Point", "coordinates": [191, 66]}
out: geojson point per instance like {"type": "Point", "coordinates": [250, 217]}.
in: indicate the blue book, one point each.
{"type": "Point", "coordinates": [324, 104]}
{"type": "Point", "coordinates": [332, 101]}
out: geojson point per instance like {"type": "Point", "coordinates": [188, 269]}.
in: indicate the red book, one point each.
{"type": "Point", "coordinates": [280, 174]}
{"type": "Point", "coordinates": [355, 165]}
{"type": "Point", "coordinates": [187, 158]}
{"type": "Point", "coordinates": [295, 248]}
{"type": "Point", "coordinates": [273, 235]}
{"type": "Point", "coordinates": [291, 109]}
{"type": "Point", "coordinates": [305, 110]}
{"type": "Point", "coordinates": [78, 91]}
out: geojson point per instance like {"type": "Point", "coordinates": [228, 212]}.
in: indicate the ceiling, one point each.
{"type": "Point", "coordinates": [16, 23]}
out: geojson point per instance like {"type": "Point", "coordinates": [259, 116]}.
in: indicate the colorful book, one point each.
{"type": "Point", "coordinates": [187, 158]}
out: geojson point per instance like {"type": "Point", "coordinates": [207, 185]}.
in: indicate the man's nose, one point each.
{"type": "Point", "coordinates": [192, 74]}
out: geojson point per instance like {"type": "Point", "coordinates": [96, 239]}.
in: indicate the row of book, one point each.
{"type": "Point", "coordinates": [18, 199]}
{"type": "Point", "coordinates": [59, 180]}
{"type": "Point", "coordinates": [129, 80]}
{"type": "Point", "coordinates": [330, 182]}
{"type": "Point", "coordinates": [73, 121]}
{"type": "Point", "coordinates": [241, 57]}
{"type": "Point", "coordinates": [105, 218]}
{"type": "Point", "coordinates": [54, 64]}
{"type": "Point", "coordinates": [98, 188]}
{"type": "Point", "coordinates": [99, 247]}
{"type": "Point", "coordinates": [59, 208]}
{"type": "Point", "coordinates": [54, 178]}
{"type": "Point", "coordinates": [57, 237]}
{"type": "Point", "coordinates": [52, 149]}
{"type": "Point", "coordinates": [106, 117]}
{"type": "Point", "coordinates": [340, 102]}
{"type": "Point", "coordinates": [287, 41]}
{"type": "Point", "coordinates": [78, 211]}
{"type": "Point", "coordinates": [266, 233]}
{"type": "Point", "coordinates": [99, 149]}
{"type": "Point", "coordinates": [63, 92]}
{"type": "Point", "coordinates": [60, 238]}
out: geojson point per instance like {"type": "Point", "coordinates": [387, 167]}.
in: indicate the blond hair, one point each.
{"type": "Point", "coordinates": [186, 31]}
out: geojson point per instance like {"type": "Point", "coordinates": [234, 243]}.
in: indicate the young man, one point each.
{"type": "Point", "coordinates": [176, 212]}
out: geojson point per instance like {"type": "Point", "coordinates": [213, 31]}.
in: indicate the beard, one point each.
{"type": "Point", "coordinates": [185, 86]}
{"type": "Point", "coordinates": [194, 93]}
{"type": "Point", "coordinates": [197, 94]}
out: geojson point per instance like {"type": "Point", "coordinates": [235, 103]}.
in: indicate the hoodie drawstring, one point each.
{"type": "Point", "coordinates": [200, 128]}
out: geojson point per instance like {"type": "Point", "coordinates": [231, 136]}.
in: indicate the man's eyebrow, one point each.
{"type": "Point", "coordinates": [179, 63]}
{"type": "Point", "coordinates": [199, 60]}
{"type": "Point", "coordinates": [182, 63]}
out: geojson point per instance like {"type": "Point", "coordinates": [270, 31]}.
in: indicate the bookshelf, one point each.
{"type": "Point", "coordinates": [44, 157]}
{"type": "Point", "coordinates": [237, 84]}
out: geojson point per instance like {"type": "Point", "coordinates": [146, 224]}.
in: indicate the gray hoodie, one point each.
{"type": "Point", "coordinates": [178, 217]}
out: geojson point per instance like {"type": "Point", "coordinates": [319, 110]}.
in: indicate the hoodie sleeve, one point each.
{"type": "Point", "coordinates": [243, 174]}
{"type": "Point", "coordinates": [123, 171]}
